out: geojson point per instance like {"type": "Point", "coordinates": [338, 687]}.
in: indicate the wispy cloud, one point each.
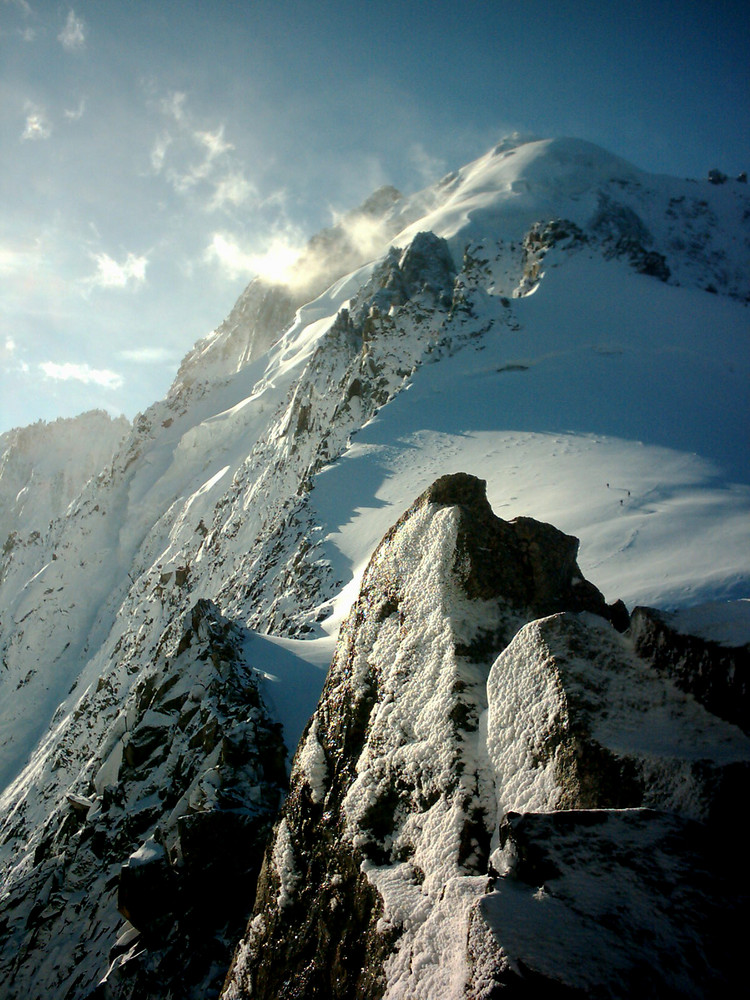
{"type": "Point", "coordinates": [37, 124]}
{"type": "Point", "coordinates": [213, 142]}
{"type": "Point", "coordinates": [73, 35]}
{"type": "Point", "coordinates": [111, 274]}
{"type": "Point", "coordinates": [9, 357]}
{"type": "Point", "coordinates": [159, 152]}
{"type": "Point", "coordinates": [21, 4]}
{"type": "Point", "coordinates": [74, 114]}
{"type": "Point", "coordinates": [173, 106]}
{"type": "Point", "coordinates": [428, 168]}
{"type": "Point", "coordinates": [233, 189]}
{"type": "Point", "coordinates": [84, 373]}
{"type": "Point", "coordinates": [197, 161]}
{"type": "Point", "coordinates": [149, 355]}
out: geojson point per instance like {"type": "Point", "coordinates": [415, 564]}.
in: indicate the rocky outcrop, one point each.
{"type": "Point", "coordinates": [228, 490]}
{"type": "Point", "coordinates": [433, 764]}
{"type": "Point", "coordinates": [717, 673]}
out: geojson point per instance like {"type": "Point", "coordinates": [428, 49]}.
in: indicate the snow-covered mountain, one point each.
{"type": "Point", "coordinates": [550, 319]}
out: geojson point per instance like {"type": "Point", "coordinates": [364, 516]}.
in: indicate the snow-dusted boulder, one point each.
{"type": "Point", "coordinates": [577, 721]}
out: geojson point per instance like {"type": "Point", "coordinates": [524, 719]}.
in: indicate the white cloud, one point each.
{"type": "Point", "coordinates": [110, 274]}
{"type": "Point", "coordinates": [149, 355]}
{"type": "Point", "coordinates": [213, 142]}
{"type": "Point", "coordinates": [232, 189]}
{"type": "Point", "coordinates": [197, 161]}
{"type": "Point", "coordinates": [174, 105]}
{"type": "Point", "coordinates": [8, 349]}
{"type": "Point", "coordinates": [74, 114]}
{"type": "Point", "coordinates": [273, 263]}
{"type": "Point", "coordinates": [159, 152]}
{"type": "Point", "coordinates": [73, 36]}
{"type": "Point", "coordinates": [81, 373]}
{"type": "Point", "coordinates": [37, 125]}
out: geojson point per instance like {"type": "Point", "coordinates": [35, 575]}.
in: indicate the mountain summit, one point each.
{"type": "Point", "coordinates": [548, 320]}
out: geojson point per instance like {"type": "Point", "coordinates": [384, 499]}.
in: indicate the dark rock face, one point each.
{"type": "Point", "coordinates": [717, 675]}
{"type": "Point", "coordinates": [527, 563]}
{"type": "Point", "coordinates": [663, 922]}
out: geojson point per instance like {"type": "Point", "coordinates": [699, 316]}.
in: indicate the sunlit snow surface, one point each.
{"type": "Point", "coordinates": [612, 413]}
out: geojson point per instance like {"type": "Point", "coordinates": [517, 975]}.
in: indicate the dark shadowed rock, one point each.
{"type": "Point", "coordinates": [607, 903]}
{"type": "Point", "coordinates": [717, 674]}
{"type": "Point", "coordinates": [528, 563]}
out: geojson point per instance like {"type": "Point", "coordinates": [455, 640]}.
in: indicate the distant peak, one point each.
{"type": "Point", "coordinates": [380, 200]}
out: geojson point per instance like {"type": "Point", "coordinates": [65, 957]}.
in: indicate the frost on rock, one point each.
{"type": "Point", "coordinates": [576, 721]}
{"type": "Point", "coordinates": [705, 650]}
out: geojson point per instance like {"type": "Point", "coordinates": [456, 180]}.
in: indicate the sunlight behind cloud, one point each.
{"type": "Point", "coordinates": [82, 373]}
{"type": "Point", "coordinates": [275, 263]}
{"type": "Point", "coordinates": [37, 125]}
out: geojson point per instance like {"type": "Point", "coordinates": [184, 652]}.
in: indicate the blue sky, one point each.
{"type": "Point", "coordinates": [155, 155]}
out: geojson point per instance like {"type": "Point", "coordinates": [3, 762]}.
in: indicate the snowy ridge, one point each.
{"type": "Point", "coordinates": [550, 318]}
